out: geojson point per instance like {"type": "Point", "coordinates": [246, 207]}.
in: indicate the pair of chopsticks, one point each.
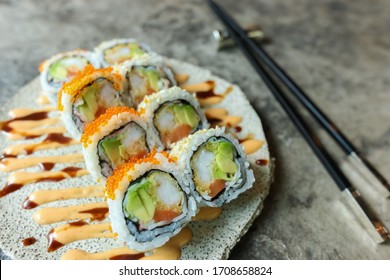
{"type": "Point", "coordinates": [256, 54]}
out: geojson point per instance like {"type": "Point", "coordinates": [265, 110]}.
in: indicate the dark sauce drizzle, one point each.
{"type": "Point", "coordinates": [10, 188]}
{"type": "Point", "coordinates": [98, 214]}
{"type": "Point", "coordinates": [6, 125]}
{"type": "Point", "coordinates": [28, 241]}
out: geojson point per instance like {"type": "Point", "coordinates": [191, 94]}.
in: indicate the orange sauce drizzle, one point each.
{"type": "Point", "coordinates": [51, 215]}
{"type": "Point", "coordinates": [19, 179]}
{"type": "Point", "coordinates": [26, 125]}
{"type": "Point", "coordinates": [181, 78]}
{"type": "Point", "coordinates": [170, 251]}
{"type": "Point", "coordinates": [220, 117]}
{"type": "Point", "coordinates": [52, 141]}
{"type": "Point", "coordinates": [11, 164]}
{"type": "Point", "coordinates": [43, 99]}
{"type": "Point", "coordinates": [69, 233]}
{"type": "Point", "coordinates": [207, 214]}
{"type": "Point", "coordinates": [22, 112]}
{"type": "Point", "coordinates": [252, 145]}
{"type": "Point", "coordinates": [41, 197]}
{"type": "Point", "coordinates": [205, 92]}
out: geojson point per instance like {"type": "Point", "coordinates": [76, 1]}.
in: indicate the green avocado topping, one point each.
{"type": "Point", "coordinates": [152, 76]}
{"type": "Point", "coordinates": [139, 203]}
{"type": "Point", "coordinates": [111, 147]}
{"type": "Point", "coordinates": [186, 114]}
{"type": "Point", "coordinates": [90, 105]}
{"type": "Point", "coordinates": [224, 166]}
{"type": "Point", "coordinates": [58, 71]}
{"type": "Point", "coordinates": [135, 50]}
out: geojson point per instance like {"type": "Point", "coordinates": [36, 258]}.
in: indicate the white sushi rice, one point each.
{"type": "Point", "coordinates": [155, 237]}
{"type": "Point", "coordinates": [116, 121]}
{"type": "Point", "coordinates": [242, 181]}
{"type": "Point", "coordinates": [152, 102]}
{"type": "Point", "coordinates": [51, 90]}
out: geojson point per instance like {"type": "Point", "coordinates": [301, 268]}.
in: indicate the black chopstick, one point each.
{"type": "Point", "coordinates": [371, 223]}
{"type": "Point", "coordinates": [316, 112]}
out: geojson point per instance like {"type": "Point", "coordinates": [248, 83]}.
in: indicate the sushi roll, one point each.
{"type": "Point", "coordinates": [115, 137]}
{"type": "Point", "coordinates": [89, 95]}
{"type": "Point", "coordinates": [145, 76]}
{"type": "Point", "coordinates": [217, 165]}
{"type": "Point", "coordinates": [149, 201]}
{"type": "Point", "coordinates": [61, 68]}
{"type": "Point", "coordinates": [119, 50]}
{"type": "Point", "coordinates": [173, 114]}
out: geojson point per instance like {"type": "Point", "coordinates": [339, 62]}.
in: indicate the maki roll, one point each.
{"type": "Point", "coordinates": [61, 68]}
{"type": "Point", "coordinates": [146, 76]}
{"type": "Point", "coordinates": [115, 137]}
{"type": "Point", "coordinates": [173, 114]}
{"type": "Point", "coordinates": [217, 165]}
{"type": "Point", "coordinates": [119, 50]}
{"type": "Point", "coordinates": [149, 201]}
{"type": "Point", "coordinates": [89, 95]}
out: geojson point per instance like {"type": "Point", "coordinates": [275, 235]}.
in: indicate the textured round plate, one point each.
{"type": "Point", "coordinates": [211, 239]}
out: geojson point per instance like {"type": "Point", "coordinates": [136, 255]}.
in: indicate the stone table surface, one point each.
{"type": "Point", "coordinates": [338, 51]}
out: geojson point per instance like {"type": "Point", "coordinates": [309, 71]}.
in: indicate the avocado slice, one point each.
{"type": "Point", "coordinates": [191, 115]}
{"type": "Point", "coordinates": [178, 111]}
{"type": "Point", "coordinates": [123, 151]}
{"type": "Point", "coordinates": [153, 77]}
{"type": "Point", "coordinates": [90, 105]}
{"type": "Point", "coordinates": [224, 166]}
{"type": "Point", "coordinates": [86, 111]}
{"type": "Point", "coordinates": [90, 98]}
{"type": "Point", "coordinates": [148, 203]}
{"type": "Point", "coordinates": [219, 174]}
{"type": "Point", "coordinates": [111, 147]}
{"type": "Point", "coordinates": [134, 206]}
{"type": "Point", "coordinates": [224, 158]}
{"type": "Point", "coordinates": [58, 71]}
{"type": "Point", "coordinates": [186, 114]}
{"type": "Point", "coordinates": [135, 50]}
{"type": "Point", "coordinates": [139, 203]}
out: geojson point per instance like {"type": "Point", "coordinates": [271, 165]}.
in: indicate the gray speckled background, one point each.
{"type": "Point", "coordinates": [337, 50]}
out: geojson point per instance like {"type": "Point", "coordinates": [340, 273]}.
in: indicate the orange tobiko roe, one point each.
{"type": "Point", "coordinates": [114, 180]}
{"type": "Point", "coordinates": [96, 125]}
{"type": "Point", "coordinates": [83, 78]}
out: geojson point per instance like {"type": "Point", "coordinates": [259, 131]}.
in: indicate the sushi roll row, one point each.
{"type": "Point", "coordinates": [153, 198]}
{"type": "Point", "coordinates": [128, 116]}
{"type": "Point", "coordinates": [62, 67]}
{"type": "Point", "coordinates": [93, 91]}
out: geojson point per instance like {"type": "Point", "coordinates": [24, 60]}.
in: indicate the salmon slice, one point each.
{"type": "Point", "coordinates": [176, 134]}
{"type": "Point", "coordinates": [216, 187]}
{"type": "Point", "coordinates": [165, 215]}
